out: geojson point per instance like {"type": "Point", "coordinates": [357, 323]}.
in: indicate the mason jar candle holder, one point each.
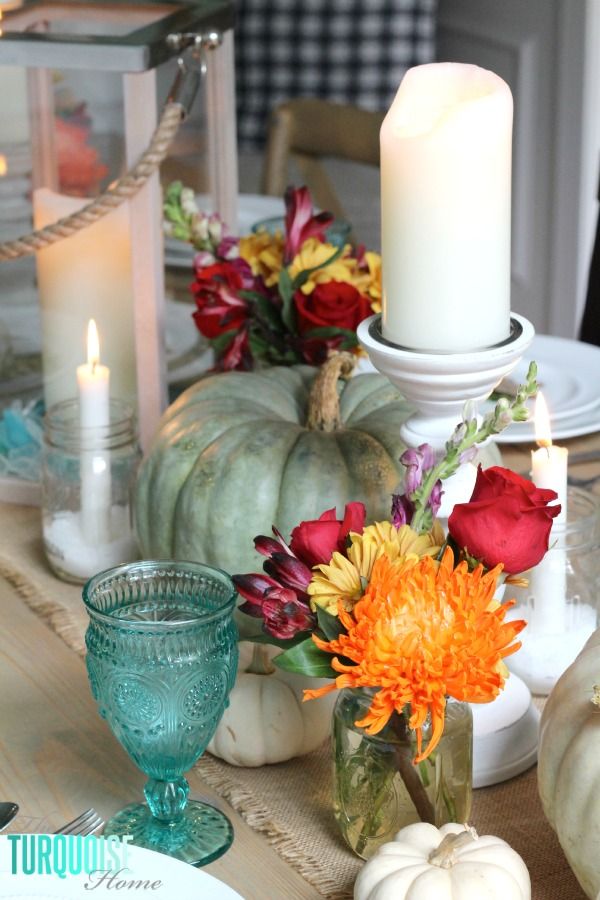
{"type": "Point", "coordinates": [560, 604]}
{"type": "Point", "coordinates": [88, 475]}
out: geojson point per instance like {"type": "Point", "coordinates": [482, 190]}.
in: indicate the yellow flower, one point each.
{"type": "Point", "coordinates": [264, 254]}
{"type": "Point", "coordinates": [315, 253]}
{"type": "Point", "coordinates": [345, 577]}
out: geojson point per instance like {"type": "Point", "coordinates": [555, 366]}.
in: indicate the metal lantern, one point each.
{"type": "Point", "coordinates": [112, 270]}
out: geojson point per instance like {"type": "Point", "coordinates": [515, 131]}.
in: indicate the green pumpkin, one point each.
{"type": "Point", "coordinates": [238, 452]}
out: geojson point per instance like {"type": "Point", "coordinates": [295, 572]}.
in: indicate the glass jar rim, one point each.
{"type": "Point", "coordinates": [145, 569]}
{"type": "Point", "coordinates": [62, 428]}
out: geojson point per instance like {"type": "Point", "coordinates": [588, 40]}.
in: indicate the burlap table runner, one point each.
{"type": "Point", "coordinates": [290, 803]}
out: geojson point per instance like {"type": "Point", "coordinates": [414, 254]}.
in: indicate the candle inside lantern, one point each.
{"type": "Point", "coordinates": [87, 274]}
{"type": "Point", "coordinates": [93, 382]}
{"type": "Point", "coordinates": [445, 201]}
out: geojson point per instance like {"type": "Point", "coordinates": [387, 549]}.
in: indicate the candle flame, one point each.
{"type": "Point", "coordinates": [543, 435]}
{"type": "Point", "coordinates": [3, 166]}
{"type": "Point", "coordinates": [93, 345]}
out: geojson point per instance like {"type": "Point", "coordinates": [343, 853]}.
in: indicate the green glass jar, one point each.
{"type": "Point", "coordinates": [377, 789]}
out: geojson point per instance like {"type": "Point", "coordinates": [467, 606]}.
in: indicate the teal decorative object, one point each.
{"type": "Point", "coordinates": [162, 658]}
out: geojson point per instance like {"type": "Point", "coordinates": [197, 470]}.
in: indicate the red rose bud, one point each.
{"type": "Point", "coordinates": [507, 520]}
{"type": "Point", "coordinates": [315, 541]}
{"type": "Point", "coordinates": [332, 304]}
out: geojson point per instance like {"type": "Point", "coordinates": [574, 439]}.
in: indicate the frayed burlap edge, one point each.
{"type": "Point", "coordinates": [286, 846]}
{"type": "Point", "coordinates": [49, 611]}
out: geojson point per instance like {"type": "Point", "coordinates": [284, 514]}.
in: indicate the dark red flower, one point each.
{"type": "Point", "coordinates": [288, 571]}
{"type": "Point", "coordinates": [216, 291]}
{"type": "Point", "coordinates": [237, 354]}
{"type": "Point", "coordinates": [316, 350]}
{"type": "Point", "coordinates": [507, 520]}
{"type": "Point", "coordinates": [285, 615]}
{"type": "Point", "coordinates": [315, 541]}
{"type": "Point", "coordinates": [300, 223]}
{"type": "Point", "coordinates": [252, 588]}
{"type": "Point", "coordinates": [332, 304]}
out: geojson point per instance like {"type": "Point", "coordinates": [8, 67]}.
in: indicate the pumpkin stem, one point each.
{"type": "Point", "coordinates": [595, 698]}
{"type": "Point", "coordinates": [443, 856]}
{"type": "Point", "coordinates": [324, 401]}
{"type": "Point", "coordinates": [260, 664]}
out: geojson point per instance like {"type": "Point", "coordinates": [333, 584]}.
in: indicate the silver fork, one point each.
{"type": "Point", "coordinates": [89, 822]}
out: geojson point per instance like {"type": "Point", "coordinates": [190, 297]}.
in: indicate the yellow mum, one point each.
{"type": "Point", "coordinates": [421, 633]}
{"type": "Point", "coordinates": [264, 254]}
{"type": "Point", "coordinates": [346, 577]}
{"type": "Point", "coordinates": [315, 253]}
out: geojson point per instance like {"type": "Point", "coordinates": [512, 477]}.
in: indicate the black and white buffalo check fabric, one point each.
{"type": "Point", "coordinates": [348, 51]}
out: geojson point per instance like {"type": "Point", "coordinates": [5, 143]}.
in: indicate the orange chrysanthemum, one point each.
{"type": "Point", "coordinates": [423, 632]}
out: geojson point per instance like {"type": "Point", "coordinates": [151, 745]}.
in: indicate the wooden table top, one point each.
{"type": "Point", "coordinates": [58, 757]}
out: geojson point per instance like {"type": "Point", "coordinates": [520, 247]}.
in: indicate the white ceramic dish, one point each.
{"type": "Point", "coordinates": [251, 209]}
{"type": "Point", "coordinates": [505, 735]}
{"type": "Point", "coordinates": [569, 376]}
{"type": "Point", "coordinates": [177, 880]}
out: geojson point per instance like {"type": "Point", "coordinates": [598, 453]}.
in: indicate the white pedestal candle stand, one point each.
{"type": "Point", "coordinates": [438, 385]}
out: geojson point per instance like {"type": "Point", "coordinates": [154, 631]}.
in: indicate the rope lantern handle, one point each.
{"type": "Point", "coordinates": [176, 109]}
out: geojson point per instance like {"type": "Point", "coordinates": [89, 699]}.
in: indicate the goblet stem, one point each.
{"type": "Point", "coordinates": [167, 799]}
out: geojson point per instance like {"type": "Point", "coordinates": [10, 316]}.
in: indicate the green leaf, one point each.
{"type": "Point", "coordinates": [329, 625]}
{"type": "Point", "coordinates": [222, 341]}
{"type": "Point", "coordinates": [286, 292]}
{"type": "Point", "coordinates": [350, 339]}
{"type": "Point", "coordinates": [265, 308]}
{"type": "Point", "coordinates": [278, 642]}
{"type": "Point", "coordinates": [306, 659]}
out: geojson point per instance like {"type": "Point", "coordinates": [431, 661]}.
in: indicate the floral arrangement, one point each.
{"type": "Point", "coordinates": [399, 606]}
{"type": "Point", "coordinates": [80, 169]}
{"type": "Point", "coordinates": [282, 298]}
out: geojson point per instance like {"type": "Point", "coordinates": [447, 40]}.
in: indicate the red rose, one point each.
{"type": "Point", "coordinates": [315, 542]}
{"type": "Point", "coordinates": [507, 520]}
{"type": "Point", "coordinates": [216, 291]}
{"type": "Point", "coordinates": [333, 304]}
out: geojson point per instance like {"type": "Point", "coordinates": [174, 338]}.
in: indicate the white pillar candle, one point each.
{"type": "Point", "coordinates": [94, 416]}
{"type": "Point", "coordinates": [445, 199]}
{"type": "Point", "coordinates": [548, 582]}
{"type": "Point", "coordinates": [87, 275]}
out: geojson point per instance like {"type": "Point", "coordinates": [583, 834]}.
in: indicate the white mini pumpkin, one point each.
{"type": "Point", "coordinates": [568, 769]}
{"type": "Point", "coordinates": [266, 720]}
{"type": "Point", "coordinates": [449, 863]}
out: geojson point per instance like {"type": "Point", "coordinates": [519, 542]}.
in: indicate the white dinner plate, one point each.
{"type": "Point", "coordinates": [569, 377]}
{"type": "Point", "coordinates": [178, 880]}
{"type": "Point", "coordinates": [188, 352]}
{"type": "Point", "coordinates": [252, 208]}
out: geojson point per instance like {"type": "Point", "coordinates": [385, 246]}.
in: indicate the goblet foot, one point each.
{"type": "Point", "coordinates": [201, 834]}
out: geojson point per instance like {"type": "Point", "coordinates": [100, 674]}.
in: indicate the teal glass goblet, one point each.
{"type": "Point", "coordinates": [162, 659]}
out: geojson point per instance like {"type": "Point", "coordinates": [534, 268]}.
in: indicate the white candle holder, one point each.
{"type": "Point", "coordinates": [560, 602]}
{"type": "Point", "coordinates": [438, 385]}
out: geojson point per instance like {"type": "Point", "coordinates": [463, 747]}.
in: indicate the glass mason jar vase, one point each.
{"type": "Point", "coordinates": [88, 475]}
{"type": "Point", "coordinates": [376, 787]}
